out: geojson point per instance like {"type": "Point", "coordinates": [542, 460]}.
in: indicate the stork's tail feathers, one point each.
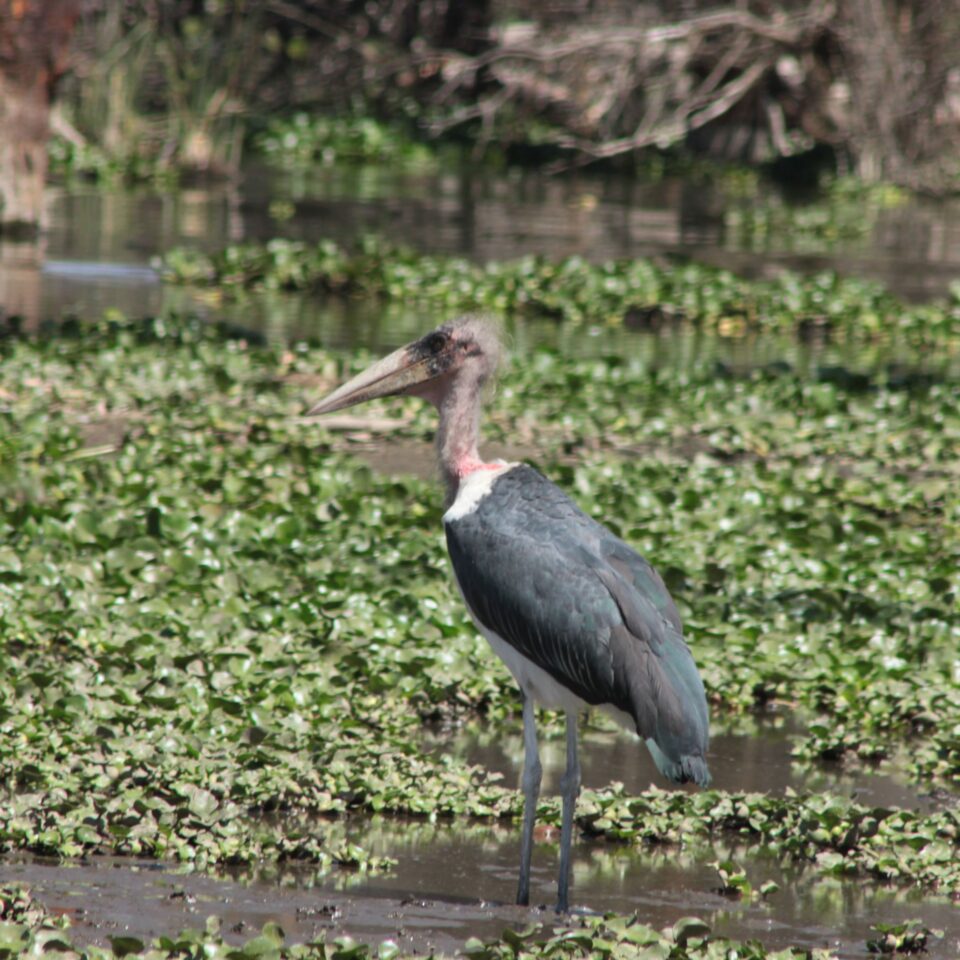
{"type": "Point", "coordinates": [670, 709]}
{"type": "Point", "coordinates": [688, 769]}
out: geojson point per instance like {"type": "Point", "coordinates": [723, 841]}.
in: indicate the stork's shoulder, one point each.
{"type": "Point", "coordinates": [516, 503]}
{"type": "Point", "coordinates": [506, 487]}
{"type": "Point", "coordinates": [518, 498]}
{"type": "Point", "coordinates": [476, 487]}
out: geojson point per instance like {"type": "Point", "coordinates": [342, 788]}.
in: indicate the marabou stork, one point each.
{"type": "Point", "coordinates": [578, 616]}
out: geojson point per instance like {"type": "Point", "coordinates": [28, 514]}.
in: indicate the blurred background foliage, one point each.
{"type": "Point", "coordinates": [871, 87]}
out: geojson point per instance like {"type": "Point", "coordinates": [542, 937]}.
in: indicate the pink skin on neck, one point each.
{"type": "Point", "coordinates": [457, 399]}
{"type": "Point", "coordinates": [471, 464]}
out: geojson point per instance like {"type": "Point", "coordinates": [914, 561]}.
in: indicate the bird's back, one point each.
{"type": "Point", "coordinates": [581, 605]}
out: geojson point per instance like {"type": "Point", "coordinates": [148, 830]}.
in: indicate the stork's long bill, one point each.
{"type": "Point", "coordinates": [399, 372]}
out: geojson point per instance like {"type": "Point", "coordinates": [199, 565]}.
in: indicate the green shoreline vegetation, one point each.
{"type": "Point", "coordinates": [299, 141]}
{"type": "Point", "coordinates": [638, 292]}
{"type": "Point", "coordinates": [212, 611]}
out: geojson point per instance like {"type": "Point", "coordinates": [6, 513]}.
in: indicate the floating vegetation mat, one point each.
{"type": "Point", "coordinates": [211, 610]}
{"type": "Point", "coordinates": [639, 293]}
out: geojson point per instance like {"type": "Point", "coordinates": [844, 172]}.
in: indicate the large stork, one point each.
{"type": "Point", "coordinates": [577, 615]}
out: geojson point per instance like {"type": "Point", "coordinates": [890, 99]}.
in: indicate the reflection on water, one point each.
{"type": "Point", "coordinates": [440, 862]}
{"type": "Point", "coordinates": [914, 248]}
{"type": "Point", "coordinates": [20, 286]}
{"type": "Point", "coordinates": [456, 880]}
{"type": "Point", "coordinates": [755, 758]}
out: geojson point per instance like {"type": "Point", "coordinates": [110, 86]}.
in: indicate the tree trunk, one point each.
{"type": "Point", "coordinates": [34, 35]}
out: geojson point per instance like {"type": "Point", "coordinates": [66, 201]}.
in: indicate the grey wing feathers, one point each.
{"type": "Point", "coordinates": [585, 607]}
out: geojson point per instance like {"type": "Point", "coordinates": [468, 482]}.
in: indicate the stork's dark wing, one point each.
{"type": "Point", "coordinates": [582, 605]}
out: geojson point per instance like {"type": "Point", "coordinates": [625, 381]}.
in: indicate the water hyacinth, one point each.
{"type": "Point", "coordinates": [638, 293]}
{"type": "Point", "coordinates": [213, 611]}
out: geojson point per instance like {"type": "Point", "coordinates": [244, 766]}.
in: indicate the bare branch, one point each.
{"type": "Point", "coordinates": [596, 82]}
{"type": "Point", "coordinates": [678, 125]}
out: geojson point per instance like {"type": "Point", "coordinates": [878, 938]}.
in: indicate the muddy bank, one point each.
{"type": "Point", "coordinates": [430, 902]}
{"type": "Point", "coordinates": [457, 880]}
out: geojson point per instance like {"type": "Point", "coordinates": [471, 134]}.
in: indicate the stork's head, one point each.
{"type": "Point", "coordinates": [463, 352]}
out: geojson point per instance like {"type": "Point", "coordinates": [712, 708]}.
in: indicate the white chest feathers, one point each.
{"type": "Point", "coordinates": [473, 488]}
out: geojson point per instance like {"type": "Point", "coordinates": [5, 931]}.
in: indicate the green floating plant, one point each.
{"type": "Point", "coordinates": [217, 623]}
{"type": "Point", "coordinates": [637, 293]}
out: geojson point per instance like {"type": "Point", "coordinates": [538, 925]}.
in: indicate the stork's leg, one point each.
{"type": "Point", "coordinates": [532, 772]}
{"type": "Point", "coordinates": [569, 789]}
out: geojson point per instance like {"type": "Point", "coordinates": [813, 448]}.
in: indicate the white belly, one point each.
{"type": "Point", "coordinates": [535, 682]}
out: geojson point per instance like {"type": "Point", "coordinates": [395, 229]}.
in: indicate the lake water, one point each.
{"type": "Point", "coordinates": [97, 251]}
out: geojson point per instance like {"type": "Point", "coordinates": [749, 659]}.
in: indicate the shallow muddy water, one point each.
{"type": "Point", "coordinates": [755, 760]}
{"type": "Point", "coordinates": [456, 880]}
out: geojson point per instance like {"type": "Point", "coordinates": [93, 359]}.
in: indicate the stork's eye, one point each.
{"type": "Point", "coordinates": [435, 342]}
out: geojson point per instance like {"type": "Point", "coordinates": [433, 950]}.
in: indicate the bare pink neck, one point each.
{"type": "Point", "coordinates": [458, 434]}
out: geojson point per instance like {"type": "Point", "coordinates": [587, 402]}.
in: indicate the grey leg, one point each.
{"type": "Point", "coordinates": [569, 789]}
{"type": "Point", "coordinates": [532, 773]}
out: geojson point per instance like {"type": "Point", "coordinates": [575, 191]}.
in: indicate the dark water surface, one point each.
{"type": "Point", "coordinates": [755, 759]}
{"type": "Point", "coordinates": [912, 247]}
{"type": "Point", "coordinates": [454, 880]}
{"type": "Point", "coordinates": [97, 250]}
